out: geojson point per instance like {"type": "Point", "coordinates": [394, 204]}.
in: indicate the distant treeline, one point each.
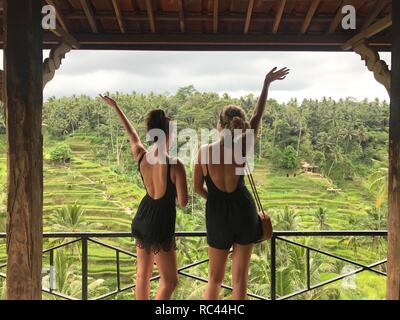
{"type": "Point", "coordinates": [341, 137]}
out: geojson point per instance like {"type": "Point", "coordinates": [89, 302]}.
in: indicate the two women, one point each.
{"type": "Point", "coordinates": [231, 215]}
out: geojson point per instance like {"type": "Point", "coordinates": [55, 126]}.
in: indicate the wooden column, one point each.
{"type": "Point", "coordinates": [393, 279]}
{"type": "Point", "coordinates": [23, 103]}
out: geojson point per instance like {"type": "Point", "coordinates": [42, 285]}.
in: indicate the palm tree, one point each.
{"type": "Point", "coordinates": [376, 220]}
{"type": "Point", "coordinates": [351, 242]}
{"type": "Point", "coordinates": [336, 155]}
{"type": "Point", "coordinates": [379, 184]}
{"type": "Point", "coordinates": [348, 134]}
{"type": "Point", "coordinates": [320, 217]}
{"type": "Point", "coordinates": [287, 219]}
{"type": "Point", "coordinates": [70, 218]}
{"type": "Point", "coordinates": [68, 281]}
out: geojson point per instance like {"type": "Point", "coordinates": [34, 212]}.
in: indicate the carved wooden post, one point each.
{"type": "Point", "coordinates": [393, 279]}
{"type": "Point", "coordinates": [53, 62]}
{"type": "Point", "coordinates": [23, 103]}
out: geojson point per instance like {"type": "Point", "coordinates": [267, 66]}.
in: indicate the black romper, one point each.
{"type": "Point", "coordinates": [231, 217]}
{"type": "Point", "coordinates": [154, 223]}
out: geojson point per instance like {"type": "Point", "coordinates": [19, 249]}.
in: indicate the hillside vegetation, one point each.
{"type": "Point", "coordinates": [92, 184]}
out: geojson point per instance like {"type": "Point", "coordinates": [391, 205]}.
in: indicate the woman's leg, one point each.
{"type": "Point", "coordinates": [145, 261]}
{"type": "Point", "coordinates": [240, 270]}
{"type": "Point", "coordinates": [168, 268]}
{"type": "Point", "coordinates": [216, 272]}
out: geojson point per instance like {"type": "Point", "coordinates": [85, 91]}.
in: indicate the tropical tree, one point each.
{"type": "Point", "coordinates": [287, 219]}
{"type": "Point", "coordinates": [67, 279]}
{"type": "Point", "coordinates": [379, 184]}
{"type": "Point", "coordinates": [70, 218]}
{"type": "Point", "coordinates": [321, 217]}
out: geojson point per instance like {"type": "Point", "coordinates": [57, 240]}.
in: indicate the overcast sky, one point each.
{"type": "Point", "coordinates": [313, 75]}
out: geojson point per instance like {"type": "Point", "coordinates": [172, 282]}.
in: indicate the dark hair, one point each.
{"type": "Point", "coordinates": [156, 119]}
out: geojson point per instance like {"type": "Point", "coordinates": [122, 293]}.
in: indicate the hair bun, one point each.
{"type": "Point", "coordinates": [236, 123]}
{"type": "Point", "coordinates": [156, 119]}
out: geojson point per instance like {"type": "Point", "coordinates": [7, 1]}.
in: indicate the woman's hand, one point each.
{"type": "Point", "coordinates": [274, 75]}
{"type": "Point", "coordinates": [109, 101]}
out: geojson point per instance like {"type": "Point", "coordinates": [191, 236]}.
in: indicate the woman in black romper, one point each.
{"type": "Point", "coordinates": [231, 213]}
{"type": "Point", "coordinates": [154, 223]}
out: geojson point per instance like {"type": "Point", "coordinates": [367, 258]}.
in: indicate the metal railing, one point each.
{"type": "Point", "coordinates": [85, 237]}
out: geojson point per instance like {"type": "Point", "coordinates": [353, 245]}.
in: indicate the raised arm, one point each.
{"type": "Point", "coordinates": [136, 145]}
{"type": "Point", "coordinates": [272, 76]}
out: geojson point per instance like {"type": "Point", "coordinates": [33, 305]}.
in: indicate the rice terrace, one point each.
{"type": "Point", "coordinates": [85, 82]}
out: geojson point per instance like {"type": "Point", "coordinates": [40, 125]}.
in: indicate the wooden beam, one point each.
{"type": "Point", "coordinates": [200, 17]}
{"type": "Point", "coordinates": [338, 17]}
{"type": "Point", "coordinates": [181, 15]}
{"type": "Point", "coordinates": [118, 15]}
{"type": "Point", "coordinates": [369, 32]}
{"type": "Point", "coordinates": [23, 109]}
{"type": "Point", "coordinates": [60, 16]}
{"type": "Point", "coordinates": [310, 14]}
{"type": "Point", "coordinates": [88, 9]}
{"type": "Point", "coordinates": [393, 265]}
{"type": "Point", "coordinates": [248, 16]}
{"type": "Point", "coordinates": [379, 6]}
{"type": "Point", "coordinates": [134, 9]}
{"type": "Point", "coordinates": [278, 16]}
{"type": "Point", "coordinates": [215, 16]}
{"type": "Point", "coordinates": [180, 41]}
{"type": "Point", "coordinates": [65, 37]}
{"type": "Point", "coordinates": [291, 6]}
{"type": "Point", "coordinates": [150, 16]}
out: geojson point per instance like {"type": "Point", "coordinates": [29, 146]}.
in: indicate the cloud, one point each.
{"type": "Point", "coordinates": [313, 74]}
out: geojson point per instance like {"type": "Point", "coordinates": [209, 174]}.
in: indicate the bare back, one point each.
{"type": "Point", "coordinates": [222, 171]}
{"type": "Point", "coordinates": [155, 177]}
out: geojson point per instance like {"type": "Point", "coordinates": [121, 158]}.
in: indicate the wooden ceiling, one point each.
{"type": "Point", "coordinates": [216, 24]}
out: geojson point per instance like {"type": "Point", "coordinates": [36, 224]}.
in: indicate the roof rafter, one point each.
{"type": "Point", "coordinates": [181, 15]}
{"type": "Point", "coordinates": [150, 15]}
{"type": "Point", "coordinates": [66, 37]}
{"type": "Point", "coordinates": [118, 15]}
{"type": "Point", "coordinates": [369, 32]}
{"type": "Point", "coordinates": [248, 16]}
{"type": "Point", "coordinates": [338, 17]}
{"type": "Point", "coordinates": [379, 6]}
{"type": "Point", "coordinates": [60, 16]}
{"type": "Point", "coordinates": [134, 9]}
{"type": "Point", "coordinates": [88, 9]}
{"type": "Point", "coordinates": [278, 16]}
{"type": "Point", "coordinates": [215, 16]}
{"type": "Point", "coordinates": [310, 14]}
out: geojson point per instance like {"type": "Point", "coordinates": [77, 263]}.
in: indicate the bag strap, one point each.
{"type": "Point", "coordinates": [254, 189]}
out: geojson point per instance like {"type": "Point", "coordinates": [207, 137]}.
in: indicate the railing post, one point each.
{"type": "Point", "coordinates": [273, 267]}
{"type": "Point", "coordinates": [118, 272]}
{"type": "Point", "coordinates": [308, 269]}
{"type": "Point", "coordinates": [84, 268]}
{"type": "Point", "coordinates": [51, 280]}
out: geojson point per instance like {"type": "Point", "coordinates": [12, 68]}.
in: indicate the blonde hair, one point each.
{"type": "Point", "coordinates": [233, 118]}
